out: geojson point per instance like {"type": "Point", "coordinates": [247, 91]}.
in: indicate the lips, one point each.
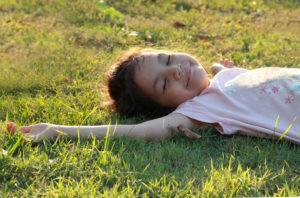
{"type": "Point", "coordinates": [188, 74]}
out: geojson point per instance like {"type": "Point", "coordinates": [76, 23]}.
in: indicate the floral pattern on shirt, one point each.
{"type": "Point", "coordinates": [286, 86]}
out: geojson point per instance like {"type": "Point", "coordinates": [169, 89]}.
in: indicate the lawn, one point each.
{"type": "Point", "coordinates": [54, 59]}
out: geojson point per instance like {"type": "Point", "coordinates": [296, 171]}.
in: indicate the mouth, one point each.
{"type": "Point", "coordinates": [188, 74]}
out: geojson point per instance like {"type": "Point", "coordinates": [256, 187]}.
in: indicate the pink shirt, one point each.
{"type": "Point", "coordinates": [249, 102]}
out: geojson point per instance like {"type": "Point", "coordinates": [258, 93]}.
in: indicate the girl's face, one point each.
{"type": "Point", "coordinates": [170, 78]}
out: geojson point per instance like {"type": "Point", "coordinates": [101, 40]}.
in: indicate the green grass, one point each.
{"type": "Point", "coordinates": [54, 58]}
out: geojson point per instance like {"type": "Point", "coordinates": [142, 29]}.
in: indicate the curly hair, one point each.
{"type": "Point", "coordinates": [128, 99]}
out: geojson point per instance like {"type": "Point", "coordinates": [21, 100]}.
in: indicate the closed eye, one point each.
{"type": "Point", "coordinates": [169, 58]}
{"type": "Point", "coordinates": [165, 84]}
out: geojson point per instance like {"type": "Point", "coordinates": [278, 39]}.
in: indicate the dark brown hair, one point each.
{"type": "Point", "coordinates": [128, 99]}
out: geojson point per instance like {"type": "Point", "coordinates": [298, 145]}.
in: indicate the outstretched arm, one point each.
{"type": "Point", "coordinates": [156, 129]}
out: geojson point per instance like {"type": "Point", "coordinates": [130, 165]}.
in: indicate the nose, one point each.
{"type": "Point", "coordinates": [174, 72]}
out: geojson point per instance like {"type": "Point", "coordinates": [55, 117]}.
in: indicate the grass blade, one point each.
{"type": "Point", "coordinates": [106, 137]}
{"type": "Point", "coordinates": [287, 129]}
{"type": "Point", "coordinates": [275, 127]}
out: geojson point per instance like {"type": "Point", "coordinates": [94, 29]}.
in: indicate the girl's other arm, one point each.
{"type": "Point", "coordinates": [223, 64]}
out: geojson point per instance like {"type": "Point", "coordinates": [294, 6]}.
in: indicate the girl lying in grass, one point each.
{"type": "Point", "coordinates": [263, 102]}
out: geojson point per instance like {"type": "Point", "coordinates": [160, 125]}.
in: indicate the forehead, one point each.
{"type": "Point", "coordinates": [144, 59]}
{"type": "Point", "coordinates": [148, 54]}
{"type": "Point", "coordinates": [146, 71]}
{"type": "Point", "coordinates": [145, 63]}
{"type": "Point", "coordinates": [149, 57]}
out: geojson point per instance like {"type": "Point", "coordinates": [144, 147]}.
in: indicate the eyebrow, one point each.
{"type": "Point", "coordinates": [143, 61]}
{"type": "Point", "coordinates": [159, 57]}
{"type": "Point", "coordinates": [139, 61]}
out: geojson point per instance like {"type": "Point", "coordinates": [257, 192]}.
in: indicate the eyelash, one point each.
{"type": "Point", "coordinates": [169, 58]}
{"type": "Point", "coordinates": [165, 80]}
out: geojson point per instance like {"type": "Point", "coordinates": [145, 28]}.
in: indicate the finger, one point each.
{"type": "Point", "coordinates": [231, 63]}
{"type": "Point", "coordinates": [188, 133]}
{"type": "Point", "coordinates": [226, 62]}
{"type": "Point", "coordinates": [14, 129]}
{"type": "Point", "coordinates": [8, 126]}
{"type": "Point", "coordinates": [11, 128]}
{"type": "Point", "coordinates": [222, 62]}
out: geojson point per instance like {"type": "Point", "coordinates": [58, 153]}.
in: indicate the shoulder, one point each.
{"type": "Point", "coordinates": [176, 119]}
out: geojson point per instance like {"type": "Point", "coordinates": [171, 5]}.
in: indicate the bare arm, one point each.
{"type": "Point", "coordinates": [156, 129]}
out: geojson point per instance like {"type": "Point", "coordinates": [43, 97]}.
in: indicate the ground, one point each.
{"type": "Point", "coordinates": [54, 59]}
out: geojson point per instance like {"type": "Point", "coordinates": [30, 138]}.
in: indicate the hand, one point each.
{"type": "Point", "coordinates": [34, 132]}
{"type": "Point", "coordinates": [227, 63]}
{"type": "Point", "coordinates": [223, 64]}
{"type": "Point", "coordinates": [188, 133]}
{"type": "Point", "coordinates": [184, 131]}
{"type": "Point", "coordinates": [11, 128]}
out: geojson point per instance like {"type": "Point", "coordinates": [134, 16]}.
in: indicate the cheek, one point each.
{"type": "Point", "coordinates": [199, 78]}
{"type": "Point", "coordinates": [179, 96]}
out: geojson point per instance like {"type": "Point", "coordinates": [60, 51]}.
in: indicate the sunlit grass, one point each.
{"type": "Point", "coordinates": [55, 57]}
